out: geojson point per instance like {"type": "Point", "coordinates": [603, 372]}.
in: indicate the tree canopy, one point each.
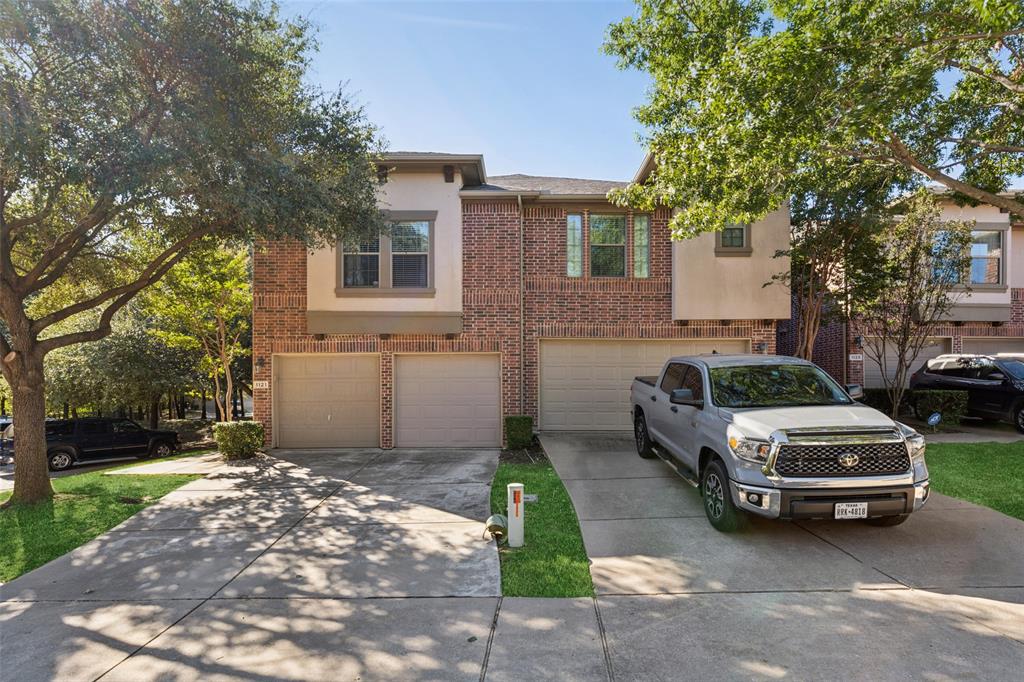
{"type": "Point", "coordinates": [754, 101]}
{"type": "Point", "coordinates": [131, 131]}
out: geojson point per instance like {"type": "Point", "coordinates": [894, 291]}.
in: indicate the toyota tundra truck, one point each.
{"type": "Point", "coordinates": [777, 437]}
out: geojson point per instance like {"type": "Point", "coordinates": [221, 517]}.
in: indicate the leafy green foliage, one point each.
{"type": "Point", "coordinates": [553, 561]}
{"type": "Point", "coordinates": [983, 473]}
{"type": "Point", "coordinates": [952, 405]}
{"type": "Point", "coordinates": [519, 431]}
{"type": "Point", "coordinates": [238, 440]}
{"type": "Point", "coordinates": [755, 101]}
{"type": "Point", "coordinates": [923, 261]}
{"type": "Point", "coordinates": [86, 506]}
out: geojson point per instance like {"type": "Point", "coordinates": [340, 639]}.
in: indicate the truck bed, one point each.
{"type": "Point", "coordinates": [650, 381]}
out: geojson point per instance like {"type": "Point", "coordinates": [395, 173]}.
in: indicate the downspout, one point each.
{"type": "Point", "coordinates": [522, 309]}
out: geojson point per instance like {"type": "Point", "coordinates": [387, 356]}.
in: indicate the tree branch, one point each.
{"type": "Point", "coordinates": [153, 272]}
{"type": "Point", "coordinates": [999, 78]}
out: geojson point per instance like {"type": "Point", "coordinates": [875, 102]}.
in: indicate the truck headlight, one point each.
{"type": "Point", "coordinates": [915, 442]}
{"type": "Point", "coordinates": [747, 448]}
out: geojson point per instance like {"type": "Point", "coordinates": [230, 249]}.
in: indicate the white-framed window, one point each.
{"type": "Point", "coordinates": [400, 261]}
{"type": "Point", "coordinates": [574, 245]}
{"type": "Point", "coordinates": [986, 257]}
{"type": "Point", "coordinates": [641, 246]}
{"type": "Point", "coordinates": [607, 245]}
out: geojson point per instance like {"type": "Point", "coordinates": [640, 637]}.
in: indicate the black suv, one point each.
{"type": "Point", "coordinates": [72, 441]}
{"type": "Point", "coordinates": [994, 384]}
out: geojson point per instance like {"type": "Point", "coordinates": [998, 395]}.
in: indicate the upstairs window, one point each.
{"type": "Point", "coordinates": [574, 245]}
{"type": "Point", "coordinates": [398, 262]}
{"type": "Point", "coordinates": [641, 246]}
{"type": "Point", "coordinates": [733, 240]}
{"type": "Point", "coordinates": [607, 245]}
{"type": "Point", "coordinates": [986, 257]}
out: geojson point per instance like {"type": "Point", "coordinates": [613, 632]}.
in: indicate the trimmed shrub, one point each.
{"type": "Point", "coordinates": [519, 431]}
{"type": "Point", "coordinates": [952, 405]}
{"type": "Point", "coordinates": [878, 398]}
{"type": "Point", "coordinates": [238, 440]}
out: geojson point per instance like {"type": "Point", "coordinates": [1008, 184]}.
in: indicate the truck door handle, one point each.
{"type": "Point", "coordinates": [674, 408]}
{"type": "Point", "coordinates": [654, 398]}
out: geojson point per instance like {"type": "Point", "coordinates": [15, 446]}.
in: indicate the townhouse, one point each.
{"type": "Point", "coordinates": [495, 296]}
{"type": "Point", "coordinates": [987, 314]}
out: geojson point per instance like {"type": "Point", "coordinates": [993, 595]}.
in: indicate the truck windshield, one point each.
{"type": "Point", "coordinates": [774, 386]}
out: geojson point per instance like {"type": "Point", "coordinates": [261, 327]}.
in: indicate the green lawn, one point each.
{"type": "Point", "coordinates": [990, 474]}
{"type": "Point", "coordinates": [552, 563]}
{"type": "Point", "coordinates": [85, 506]}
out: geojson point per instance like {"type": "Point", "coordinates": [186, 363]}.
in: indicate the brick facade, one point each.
{"type": "Point", "coordinates": [554, 305]}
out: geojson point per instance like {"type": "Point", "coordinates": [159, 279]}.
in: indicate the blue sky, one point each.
{"type": "Point", "coordinates": [523, 83]}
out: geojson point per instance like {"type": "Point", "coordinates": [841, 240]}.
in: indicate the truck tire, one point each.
{"type": "Point", "coordinates": [887, 521]}
{"type": "Point", "coordinates": [160, 448]}
{"type": "Point", "coordinates": [644, 446]}
{"type": "Point", "coordinates": [718, 504]}
{"type": "Point", "coordinates": [1018, 417]}
{"type": "Point", "coordinates": [60, 460]}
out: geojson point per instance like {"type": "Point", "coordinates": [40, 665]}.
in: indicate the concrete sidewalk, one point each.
{"type": "Point", "coordinates": [940, 597]}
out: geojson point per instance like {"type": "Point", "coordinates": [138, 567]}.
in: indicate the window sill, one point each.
{"type": "Point", "coordinates": [372, 292]}
{"type": "Point", "coordinates": [990, 288]}
{"type": "Point", "coordinates": [724, 251]}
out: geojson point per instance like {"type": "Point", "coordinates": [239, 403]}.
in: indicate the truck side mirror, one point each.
{"type": "Point", "coordinates": [856, 391]}
{"type": "Point", "coordinates": [684, 396]}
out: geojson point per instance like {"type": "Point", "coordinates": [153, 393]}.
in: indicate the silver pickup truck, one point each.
{"type": "Point", "coordinates": [777, 437]}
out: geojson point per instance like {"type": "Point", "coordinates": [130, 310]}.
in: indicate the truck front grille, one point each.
{"type": "Point", "coordinates": [860, 459]}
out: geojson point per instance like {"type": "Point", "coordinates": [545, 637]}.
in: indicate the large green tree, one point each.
{"type": "Point", "coordinates": [154, 122]}
{"type": "Point", "coordinates": [205, 301]}
{"type": "Point", "coordinates": [754, 101]}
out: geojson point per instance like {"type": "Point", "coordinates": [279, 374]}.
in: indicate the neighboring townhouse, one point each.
{"type": "Point", "coordinates": [987, 319]}
{"type": "Point", "coordinates": [496, 296]}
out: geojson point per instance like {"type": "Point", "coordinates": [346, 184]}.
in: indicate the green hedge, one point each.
{"type": "Point", "coordinates": [878, 398]}
{"type": "Point", "coordinates": [952, 405]}
{"type": "Point", "coordinates": [519, 431]}
{"type": "Point", "coordinates": [238, 440]}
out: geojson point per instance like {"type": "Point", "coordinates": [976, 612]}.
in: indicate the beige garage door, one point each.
{"type": "Point", "coordinates": [447, 400]}
{"type": "Point", "coordinates": [584, 384]}
{"type": "Point", "coordinates": [991, 346]}
{"type": "Point", "coordinates": [327, 401]}
{"type": "Point", "coordinates": [873, 372]}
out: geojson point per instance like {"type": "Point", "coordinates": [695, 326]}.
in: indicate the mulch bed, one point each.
{"type": "Point", "coordinates": [532, 455]}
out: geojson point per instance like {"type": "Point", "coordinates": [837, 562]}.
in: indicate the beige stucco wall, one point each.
{"type": "Point", "coordinates": [404, 191]}
{"type": "Point", "coordinates": [710, 287]}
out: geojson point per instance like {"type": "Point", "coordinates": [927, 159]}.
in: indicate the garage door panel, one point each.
{"type": "Point", "coordinates": [585, 383]}
{"type": "Point", "coordinates": [873, 377]}
{"type": "Point", "coordinates": [448, 400]}
{"type": "Point", "coordinates": [993, 345]}
{"type": "Point", "coordinates": [327, 400]}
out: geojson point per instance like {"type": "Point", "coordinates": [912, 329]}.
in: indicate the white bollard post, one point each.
{"type": "Point", "coordinates": [516, 514]}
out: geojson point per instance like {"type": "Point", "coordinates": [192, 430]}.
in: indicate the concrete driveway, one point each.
{"type": "Point", "coordinates": [314, 565]}
{"type": "Point", "coordinates": [940, 597]}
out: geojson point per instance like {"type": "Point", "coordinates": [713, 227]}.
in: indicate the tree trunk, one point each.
{"type": "Point", "coordinates": [154, 413]}
{"type": "Point", "coordinates": [3, 405]}
{"type": "Point", "coordinates": [31, 474]}
{"type": "Point", "coordinates": [203, 399]}
{"type": "Point", "coordinates": [67, 409]}
{"type": "Point", "coordinates": [218, 399]}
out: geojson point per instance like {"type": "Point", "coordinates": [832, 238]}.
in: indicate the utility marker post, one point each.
{"type": "Point", "coordinates": [516, 514]}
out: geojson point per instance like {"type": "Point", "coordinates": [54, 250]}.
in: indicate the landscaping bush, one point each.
{"type": "Point", "coordinates": [878, 398]}
{"type": "Point", "coordinates": [238, 440]}
{"type": "Point", "coordinates": [519, 431]}
{"type": "Point", "coordinates": [952, 405]}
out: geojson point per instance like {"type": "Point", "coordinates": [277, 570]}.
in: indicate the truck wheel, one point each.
{"type": "Point", "coordinates": [887, 521]}
{"type": "Point", "coordinates": [644, 446]}
{"type": "Point", "coordinates": [160, 449]}
{"type": "Point", "coordinates": [718, 504]}
{"type": "Point", "coordinates": [59, 460]}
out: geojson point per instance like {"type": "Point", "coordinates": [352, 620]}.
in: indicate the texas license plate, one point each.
{"type": "Point", "coordinates": [851, 510]}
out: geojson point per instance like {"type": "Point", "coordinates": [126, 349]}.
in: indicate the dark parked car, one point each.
{"type": "Point", "coordinates": [994, 384]}
{"type": "Point", "coordinates": [73, 441]}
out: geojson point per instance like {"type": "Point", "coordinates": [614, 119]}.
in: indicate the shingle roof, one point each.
{"type": "Point", "coordinates": [548, 185]}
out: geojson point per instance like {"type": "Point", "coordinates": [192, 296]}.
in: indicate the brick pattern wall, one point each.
{"type": "Point", "coordinates": [554, 305]}
{"type": "Point", "coordinates": [956, 332]}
